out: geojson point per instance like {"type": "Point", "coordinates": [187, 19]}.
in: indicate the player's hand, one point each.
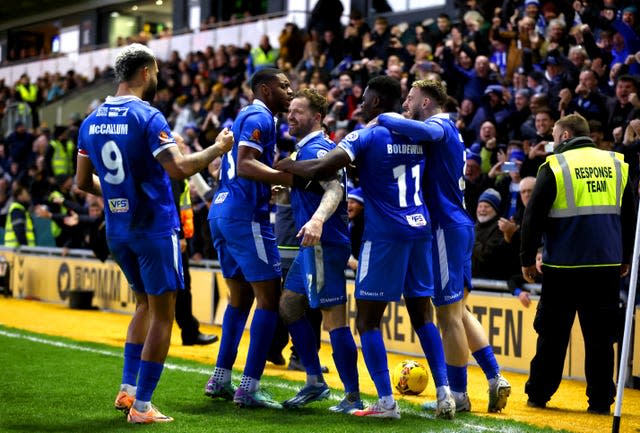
{"type": "Point", "coordinates": [183, 245]}
{"type": "Point", "coordinates": [525, 298]}
{"type": "Point", "coordinates": [310, 232]}
{"type": "Point", "coordinates": [224, 140]}
{"type": "Point", "coordinates": [529, 273]}
{"type": "Point", "coordinates": [352, 263]}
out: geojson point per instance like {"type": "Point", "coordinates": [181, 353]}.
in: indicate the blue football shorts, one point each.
{"type": "Point", "coordinates": [246, 249]}
{"type": "Point", "coordinates": [388, 270]}
{"type": "Point", "coordinates": [452, 249]}
{"type": "Point", "coordinates": [318, 272]}
{"type": "Point", "coordinates": [151, 266]}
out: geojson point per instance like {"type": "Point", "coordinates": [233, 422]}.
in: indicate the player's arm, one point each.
{"type": "Point", "coordinates": [180, 166]}
{"type": "Point", "coordinates": [85, 179]}
{"type": "Point", "coordinates": [250, 167]}
{"type": "Point", "coordinates": [311, 232]}
{"type": "Point", "coordinates": [418, 131]}
{"type": "Point", "coordinates": [321, 168]}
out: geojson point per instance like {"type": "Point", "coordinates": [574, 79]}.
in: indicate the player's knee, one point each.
{"type": "Point", "coordinates": [364, 324]}
{"type": "Point", "coordinates": [292, 306]}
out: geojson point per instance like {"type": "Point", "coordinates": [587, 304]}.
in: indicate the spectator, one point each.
{"type": "Point", "coordinates": [476, 182]}
{"type": "Point", "coordinates": [355, 212]}
{"type": "Point", "coordinates": [263, 56]}
{"type": "Point", "coordinates": [492, 257]}
{"type": "Point", "coordinates": [19, 226]}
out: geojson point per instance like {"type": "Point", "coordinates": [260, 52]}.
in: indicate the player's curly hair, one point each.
{"type": "Point", "coordinates": [130, 59]}
{"type": "Point", "coordinates": [317, 102]}
{"type": "Point", "coordinates": [434, 89]}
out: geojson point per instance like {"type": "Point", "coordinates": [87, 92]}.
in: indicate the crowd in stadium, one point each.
{"type": "Point", "coordinates": [511, 69]}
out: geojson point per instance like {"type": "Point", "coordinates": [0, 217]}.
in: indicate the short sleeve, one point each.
{"type": "Point", "coordinates": [255, 131]}
{"type": "Point", "coordinates": [159, 134]}
{"type": "Point", "coordinates": [352, 144]}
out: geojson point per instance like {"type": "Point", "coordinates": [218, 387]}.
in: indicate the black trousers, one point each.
{"type": "Point", "coordinates": [188, 324]}
{"type": "Point", "coordinates": [593, 293]}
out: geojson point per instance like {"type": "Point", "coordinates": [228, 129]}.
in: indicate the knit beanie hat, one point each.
{"type": "Point", "coordinates": [492, 197]}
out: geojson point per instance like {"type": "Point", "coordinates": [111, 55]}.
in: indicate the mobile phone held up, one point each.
{"type": "Point", "coordinates": [509, 166]}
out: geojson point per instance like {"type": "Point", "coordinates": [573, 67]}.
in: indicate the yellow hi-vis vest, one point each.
{"type": "Point", "coordinates": [56, 230]}
{"type": "Point", "coordinates": [10, 239]}
{"type": "Point", "coordinates": [584, 228]}
{"type": "Point", "coordinates": [62, 160]}
{"type": "Point", "coordinates": [28, 93]}
{"type": "Point", "coordinates": [186, 212]}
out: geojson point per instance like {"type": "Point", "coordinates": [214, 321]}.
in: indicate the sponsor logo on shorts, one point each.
{"type": "Point", "coordinates": [221, 197]}
{"type": "Point", "coordinates": [118, 205]}
{"type": "Point", "coordinates": [331, 300]}
{"type": "Point", "coordinates": [369, 293]}
{"type": "Point", "coordinates": [416, 220]}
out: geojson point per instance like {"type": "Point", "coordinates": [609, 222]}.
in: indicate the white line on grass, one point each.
{"type": "Point", "coordinates": [466, 427]}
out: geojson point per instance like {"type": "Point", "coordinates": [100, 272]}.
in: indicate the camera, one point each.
{"type": "Point", "coordinates": [549, 147]}
{"type": "Point", "coordinates": [509, 166]}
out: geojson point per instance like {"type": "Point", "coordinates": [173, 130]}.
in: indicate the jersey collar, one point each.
{"type": "Point", "coordinates": [116, 100]}
{"type": "Point", "coordinates": [306, 139]}
{"type": "Point", "coordinates": [441, 115]}
{"type": "Point", "coordinates": [257, 101]}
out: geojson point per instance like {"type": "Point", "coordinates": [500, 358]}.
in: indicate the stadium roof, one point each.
{"type": "Point", "coordinates": [34, 11]}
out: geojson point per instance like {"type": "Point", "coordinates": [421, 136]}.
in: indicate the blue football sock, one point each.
{"type": "Point", "coordinates": [132, 353]}
{"type": "Point", "coordinates": [233, 325]}
{"type": "Point", "coordinates": [304, 340]}
{"type": "Point", "coordinates": [457, 378]}
{"type": "Point", "coordinates": [345, 356]}
{"type": "Point", "coordinates": [262, 328]}
{"type": "Point", "coordinates": [434, 352]}
{"type": "Point", "coordinates": [148, 379]}
{"type": "Point", "coordinates": [487, 362]}
{"type": "Point", "coordinates": [375, 356]}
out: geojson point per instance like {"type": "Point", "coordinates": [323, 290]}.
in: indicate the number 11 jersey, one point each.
{"type": "Point", "coordinates": [390, 168]}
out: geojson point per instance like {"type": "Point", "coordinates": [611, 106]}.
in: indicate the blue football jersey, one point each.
{"type": "Point", "coordinates": [390, 167]}
{"type": "Point", "coordinates": [444, 182]}
{"type": "Point", "coordinates": [237, 197]}
{"type": "Point", "coordinates": [444, 166]}
{"type": "Point", "coordinates": [304, 203]}
{"type": "Point", "coordinates": [122, 137]}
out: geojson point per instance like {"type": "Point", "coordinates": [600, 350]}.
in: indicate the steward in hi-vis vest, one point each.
{"type": "Point", "coordinates": [582, 212]}
{"type": "Point", "coordinates": [18, 229]}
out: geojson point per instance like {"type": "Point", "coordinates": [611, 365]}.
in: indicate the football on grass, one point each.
{"type": "Point", "coordinates": [410, 377]}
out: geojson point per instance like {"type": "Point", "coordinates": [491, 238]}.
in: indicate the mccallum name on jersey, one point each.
{"type": "Point", "coordinates": [109, 129]}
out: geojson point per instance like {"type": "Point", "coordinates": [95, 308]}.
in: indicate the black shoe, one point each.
{"type": "Point", "coordinates": [200, 340]}
{"type": "Point", "coordinates": [533, 403]}
{"type": "Point", "coordinates": [276, 358]}
{"type": "Point", "coordinates": [597, 410]}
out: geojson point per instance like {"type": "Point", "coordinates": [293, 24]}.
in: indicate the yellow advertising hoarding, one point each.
{"type": "Point", "coordinates": [508, 325]}
{"type": "Point", "coordinates": [51, 278]}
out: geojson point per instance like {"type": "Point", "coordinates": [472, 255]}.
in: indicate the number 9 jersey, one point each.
{"type": "Point", "coordinates": [122, 137]}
